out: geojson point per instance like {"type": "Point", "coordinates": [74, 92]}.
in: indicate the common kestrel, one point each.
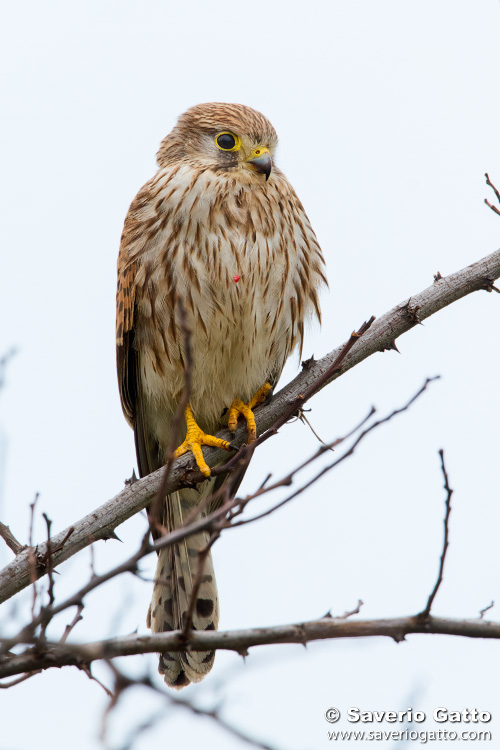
{"type": "Point", "coordinates": [220, 228]}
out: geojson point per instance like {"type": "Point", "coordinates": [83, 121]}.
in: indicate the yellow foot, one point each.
{"type": "Point", "coordinates": [238, 407]}
{"type": "Point", "coordinates": [195, 438]}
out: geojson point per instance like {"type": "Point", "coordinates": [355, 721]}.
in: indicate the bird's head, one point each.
{"type": "Point", "coordinates": [222, 137]}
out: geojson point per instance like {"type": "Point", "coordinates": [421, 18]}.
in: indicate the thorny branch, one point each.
{"type": "Point", "coordinates": [381, 336]}
{"type": "Point", "coordinates": [214, 522]}
{"type": "Point", "coordinates": [45, 654]}
{"type": "Point", "coordinates": [61, 654]}
{"type": "Point", "coordinates": [56, 655]}
{"type": "Point", "coordinates": [33, 562]}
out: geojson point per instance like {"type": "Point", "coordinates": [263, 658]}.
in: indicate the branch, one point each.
{"type": "Point", "coordinates": [449, 492]}
{"type": "Point", "coordinates": [100, 524]}
{"type": "Point", "coordinates": [497, 195]}
{"type": "Point", "coordinates": [10, 540]}
{"type": "Point", "coordinates": [54, 654]}
{"type": "Point", "coordinates": [214, 522]}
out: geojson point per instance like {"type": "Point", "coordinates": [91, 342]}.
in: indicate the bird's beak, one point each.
{"type": "Point", "coordinates": [260, 160]}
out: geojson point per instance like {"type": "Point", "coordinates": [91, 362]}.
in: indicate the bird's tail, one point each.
{"type": "Point", "coordinates": [176, 573]}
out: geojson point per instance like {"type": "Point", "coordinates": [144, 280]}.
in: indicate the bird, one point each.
{"type": "Point", "coordinates": [217, 242]}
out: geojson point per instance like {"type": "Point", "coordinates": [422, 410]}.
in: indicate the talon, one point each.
{"type": "Point", "coordinates": [239, 407]}
{"type": "Point", "coordinates": [195, 438]}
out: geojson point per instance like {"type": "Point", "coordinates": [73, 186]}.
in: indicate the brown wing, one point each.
{"type": "Point", "coordinates": [125, 303]}
{"type": "Point", "coordinates": [127, 361]}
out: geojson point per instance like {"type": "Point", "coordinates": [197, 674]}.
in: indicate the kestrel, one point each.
{"type": "Point", "coordinates": [220, 228]}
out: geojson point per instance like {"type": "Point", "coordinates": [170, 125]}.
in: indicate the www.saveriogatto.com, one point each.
{"type": "Point", "coordinates": [466, 725]}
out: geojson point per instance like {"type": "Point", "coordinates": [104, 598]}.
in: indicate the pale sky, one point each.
{"type": "Point", "coordinates": [388, 116]}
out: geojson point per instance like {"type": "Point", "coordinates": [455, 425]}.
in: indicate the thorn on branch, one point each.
{"type": "Point", "coordinates": [308, 363]}
{"type": "Point", "coordinates": [399, 637]}
{"type": "Point", "coordinates": [412, 312]}
{"type": "Point", "coordinates": [391, 347]}
{"type": "Point", "coordinates": [131, 480]}
{"type": "Point", "coordinates": [111, 535]}
{"type": "Point", "coordinates": [437, 277]}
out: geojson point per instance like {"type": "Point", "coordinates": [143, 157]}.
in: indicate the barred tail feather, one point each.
{"type": "Point", "coordinates": [175, 576]}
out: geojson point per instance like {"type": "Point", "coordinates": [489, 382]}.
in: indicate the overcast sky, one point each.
{"type": "Point", "coordinates": [388, 115]}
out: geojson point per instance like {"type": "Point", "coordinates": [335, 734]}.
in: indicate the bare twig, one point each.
{"type": "Point", "coordinates": [214, 522]}
{"type": "Point", "coordinates": [306, 421]}
{"type": "Point", "coordinates": [31, 558]}
{"type": "Point", "coordinates": [497, 194]}
{"type": "Point", "coordinates": [355, 611]}
{"type": "Point", "coordinates": [449, 492]}
{"type": "Point", "coordinates": [335, 463]}
{"type": "Point", "coordinates": [482, 612]}
{"type": "Point", "coordinates": [50, 571]}
{"type": "Point", "coordinates": [13, 683]}
{"type": "Point", "coordinates": [76, 619]}
{"type": "Point", "coordinates": [10, 540]}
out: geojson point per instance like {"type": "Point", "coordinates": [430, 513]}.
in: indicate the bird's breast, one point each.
{"type": "Point", "coordinates": [233, 258]}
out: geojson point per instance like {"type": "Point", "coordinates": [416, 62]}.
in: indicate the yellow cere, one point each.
{"type": "Point", "coordinates": [259, 152]}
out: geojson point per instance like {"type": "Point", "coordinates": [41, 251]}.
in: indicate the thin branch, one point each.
{"type": "Point", "coordinates": [31, 558]}
{"type": "Point", "coordinates": [335, 463]}
{"type": "Point", "coordinates": [223, 517]}
{"type": "Point", "coordinates": [497, 194]}
{"type": "Point", "coordinates": [50, 571]}
{"type": "Point", "coordinates": [482, 612]}
{"type": "Point", "coordinates": [306, 421]}
{"type": "Point", "coordinates": [10, 540]}
{"type": "Point", "coordinates": [449, 492]}
{"type": "Point", "coordinates": [13, 683]}
{"type": "Point", "coordinates": [76, 619]}
{"type": "Point", "coordinates": [100, 523]}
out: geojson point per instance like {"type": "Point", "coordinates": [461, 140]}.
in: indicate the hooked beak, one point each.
{"type": "Point", "coordinates": [260, 160]}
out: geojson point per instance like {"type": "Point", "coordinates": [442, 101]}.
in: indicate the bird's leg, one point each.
{"type": "Point", "coordinates": [195, 438]}
{"type": "Point", "coordinates": [238, 407]}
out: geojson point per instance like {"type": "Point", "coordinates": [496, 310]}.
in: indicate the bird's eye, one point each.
{"type": "Point", "coordinates": [227, 142]}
